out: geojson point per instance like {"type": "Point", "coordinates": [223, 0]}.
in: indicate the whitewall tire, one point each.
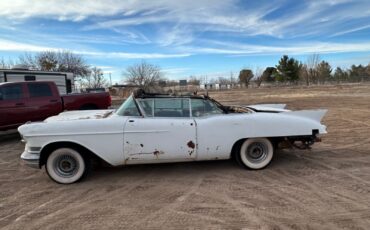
{"type": "Point", "coordinates": [66, 166]}
{"type": "Point", "coordinates": [256, 153]}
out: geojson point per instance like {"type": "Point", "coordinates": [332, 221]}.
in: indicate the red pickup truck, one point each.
{"type": "Point", "coordinates": [35, 101]}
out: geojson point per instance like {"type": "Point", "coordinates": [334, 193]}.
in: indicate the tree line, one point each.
{"type": "Point", "coordinates": [287, 71]}
{"type": "Point", "coordinates": [60, 61]}
{"type": "Point", "coordinates": [146, 75]}
{"type": "Point", "coordinates": [313, 71]}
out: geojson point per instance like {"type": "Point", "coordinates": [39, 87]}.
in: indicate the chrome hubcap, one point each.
{"type": "Point", "coordinates": [66, 166]}
{"type": "Point", "coordinates": [257, 152]}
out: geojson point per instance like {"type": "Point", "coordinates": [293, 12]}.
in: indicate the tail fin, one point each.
{"type": "Point", "coordinates": [316, 115]}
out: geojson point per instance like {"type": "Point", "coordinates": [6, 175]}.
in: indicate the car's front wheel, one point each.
{"type": "Point", "coordinates": [66, 166]}
{"type": "Point", "coordinates": [256, 153]}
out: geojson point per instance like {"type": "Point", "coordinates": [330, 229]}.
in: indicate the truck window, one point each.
{"type": "Point", "coordinates": [11, 92]}
{"type": "Point", "coordinates": [69, 86]}
{"type": "Point", "coordinates": [39, 90]}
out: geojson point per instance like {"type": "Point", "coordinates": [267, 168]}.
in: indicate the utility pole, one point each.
{"type": "Point", "coordinates": [110, 78]}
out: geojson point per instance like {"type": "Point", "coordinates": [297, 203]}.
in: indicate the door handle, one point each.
{"type": "Point", "coordinates": [131, 120]}
{"type": "Point", "coordinates": [19, 104]}
{"type": "Point", "coordinates": [54, 100]}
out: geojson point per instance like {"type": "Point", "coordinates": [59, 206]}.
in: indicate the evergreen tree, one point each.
{"type": "Point", "coordinates": [268, 74]}
{"type": "Point", "coordinates": [288, 69]}
{"type": "Point", "coordinates": [324, 71]}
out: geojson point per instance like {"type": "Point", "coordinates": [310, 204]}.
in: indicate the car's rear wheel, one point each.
{"type": "Point", "coordinates": [66, 166]}
{"type": "Point", "coordinates": [256, 153]}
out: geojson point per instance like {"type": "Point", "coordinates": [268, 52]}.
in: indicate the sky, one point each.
{"type": "Point", "coordinates": [204, 38]}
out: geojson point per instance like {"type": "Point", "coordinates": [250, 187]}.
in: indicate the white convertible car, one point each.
{"type": "Point", "coordinates": [157, 128]}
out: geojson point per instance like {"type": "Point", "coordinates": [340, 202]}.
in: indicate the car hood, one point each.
{"type": "Point", "coordinates": [75, 122]}
{"type": "Point", "coordinates": [80, 115]}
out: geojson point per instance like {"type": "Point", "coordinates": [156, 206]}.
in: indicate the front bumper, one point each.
{"type": "Point", "coordinates": [31, 159]}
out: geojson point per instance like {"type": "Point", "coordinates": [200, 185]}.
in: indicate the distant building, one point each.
{"type": "Point", "coordinates": [211, 86]}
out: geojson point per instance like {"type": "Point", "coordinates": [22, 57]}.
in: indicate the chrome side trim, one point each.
{"type": "Point", "coordinates": [69, 134]}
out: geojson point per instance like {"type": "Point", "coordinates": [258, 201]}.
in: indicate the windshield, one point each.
{"type": "Point", "coordinates": [128, 108]}
{"type": "Point", "coordinates": [201, 107]}
{"type": "Point", "coordinates": [165, 107]}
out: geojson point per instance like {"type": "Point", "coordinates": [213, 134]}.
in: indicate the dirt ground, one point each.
{"type": "Point", "coordinates": [327, 187]}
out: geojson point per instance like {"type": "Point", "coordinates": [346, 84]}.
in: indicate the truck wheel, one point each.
{"type": "Point", "coordinates": [256, 153]}
{"type": "Point", "coordinates": [66, 166]}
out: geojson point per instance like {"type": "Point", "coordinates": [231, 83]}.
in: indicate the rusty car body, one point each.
{"type": "Point", "coordinates": [159, 128]}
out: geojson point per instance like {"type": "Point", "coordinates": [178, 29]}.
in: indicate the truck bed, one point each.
{"type": "Point", "coordinates": [84, 101]}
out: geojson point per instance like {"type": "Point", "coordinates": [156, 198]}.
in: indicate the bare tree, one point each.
{"type": "Point", "coordinates": [172, 83]}
{"type": "Point", "coordinates": [258, 76]}
{"type": "Point", "coordinates": [48, 61]}
{"type": "Point", "coordinates": [304, 75]}
{"type": "Point", "coordinates": [193, 80]}
{"type": "Point", "coordinates": [45, 61]}
{"type": "Point", "coordinates": [3, 64]}
{"type": "Point", "coordinates": [311, 67]}
{"type": "Point", "coordinates": [28, 60]}
{"type": "Point", "coordinates": [7, 64]}
{"type": "Point", "coordinates": [95, 79]}
{"type": "Point", "coordinates": [233, 80]}
{"type": "Point", "coordinates": [143, 74]}
{"type": "Point", "coordinates": [223, 80]}
{"type": "Point", "coordinates": [74, 63]}
{"type": "Point", "coordinates": [61, 61]}
{"type": "Point", "coordinates": [245, 76]}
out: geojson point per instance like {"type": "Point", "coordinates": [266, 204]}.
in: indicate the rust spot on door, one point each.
{"type": "Point", "coordinates": [156, 152]}
{"type": "Point", "coordinates": [191, 144]}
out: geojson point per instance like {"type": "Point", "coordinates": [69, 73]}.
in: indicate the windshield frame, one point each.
{"type": "Point", "coordinates": [119, 111]}
{"type": "Point", "coordinates": [143, 114]}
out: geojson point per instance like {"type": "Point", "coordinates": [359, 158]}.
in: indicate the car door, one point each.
{"type": "Point", "coordinates": [13, 107]}
{"type": "Point", "coordinates": [214, 130]}
{"type": "Point", "coordinates": [165, 133]}
{"type": "Point", "coordinates": [42, 102]}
